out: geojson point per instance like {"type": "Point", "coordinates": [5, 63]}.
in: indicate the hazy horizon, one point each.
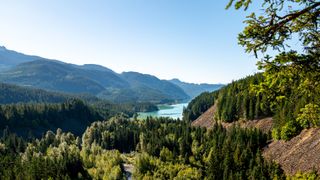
{"type": "Point", "coordinates": [169, 39]}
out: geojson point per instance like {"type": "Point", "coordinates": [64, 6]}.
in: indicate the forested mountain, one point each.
{"type": "Point", "coordinates": [243, 99]}
{"type": "Point", "coordinates": [138, 80]}
{"type": "Point", "coordinates": [35, 119]}
{"type": "Point", "coordinates": [17, 94]}
{"type": "Point", "coordinates": [166, 149]}
{"type": "Point", "coordinates": [93, 79]}
{"type": "Point", "coordinates": [9, 58]}
{"type": "Point", "coordinates": [235, 101]}
{"type": "Point", "coordinates": [194, 90]}
{"type": "Point", "coordinates": [63, 77]}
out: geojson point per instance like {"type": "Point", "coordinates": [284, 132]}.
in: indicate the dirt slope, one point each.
{"type": "Point", "coordinates": [302, 153]}
{"type": "Point", "coordinates": [207, 120]}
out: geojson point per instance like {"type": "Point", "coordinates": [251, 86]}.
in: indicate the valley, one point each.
{"type": "Point", "coordinates": [122, 90]}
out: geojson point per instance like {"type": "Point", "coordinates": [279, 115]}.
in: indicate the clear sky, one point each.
{"type": "Point", "coordinates": [193, 40]}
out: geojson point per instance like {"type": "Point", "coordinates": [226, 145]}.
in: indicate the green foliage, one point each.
{"type": "Point", "coordinates": [199, 105]}
{"type": "Point", "coordinates": [235, 101]}
{"type": "Point", "coordinates": [288, 131]}
{"type": "Point", "coordinates": [72, 115]}
{"type": "Point", "coordinates": [174, 150]}
{"type": "Point", "coordinates": [305, 176]}
{"type": "Point", "coordinates": [117, 133]}
{"type": "Point", "coordinates": [153, 168]}
{"type": "Point", "coordinates": [36, 119]}
{"type": "Point", "coordinates": [102, 164]}
{"type": "Point", "coordinates": [238, 101]}
{"type": "Point", "coordinates": [309, 116]}
{"type": "Point", "coordinates": [15, 94]}
{"type": "Point", "coordinates": [281, 20]}
{"type": "Point", "coordinates": [291, 80]}
{"type": "Point", "coordinates": [56, 156]}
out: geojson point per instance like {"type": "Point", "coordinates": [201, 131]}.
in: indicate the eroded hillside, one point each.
{"type": "Point", "coordinates": [300, 154]}
{"type": "Point", "coordinates": [207, 120]}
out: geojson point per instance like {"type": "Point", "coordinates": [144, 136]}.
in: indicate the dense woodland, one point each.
{"type": "Point", "coordinates": [243, 100]}
{"type": "Point", "coordinates": [199, 105]}
{"type": "Point", "coordinates": [35, 143]}
{"type": "Point", "coordinates": [73, 115]}
{"type": "Point", "coordinates": [166, 149]}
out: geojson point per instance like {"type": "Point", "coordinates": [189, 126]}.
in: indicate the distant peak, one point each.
{"type": "Point", "coordinates": [175, 79]}
{"type": "Point", "coordinates": [3, 48]}
{"type": "Point", "coordinates": [96, 67]}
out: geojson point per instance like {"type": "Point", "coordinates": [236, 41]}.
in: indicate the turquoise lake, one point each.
{"type": "Point", "coordinates": [173, 111]}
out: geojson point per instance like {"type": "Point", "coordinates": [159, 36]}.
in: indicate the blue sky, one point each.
{"type": "Point", "coordinates": [193, 40]}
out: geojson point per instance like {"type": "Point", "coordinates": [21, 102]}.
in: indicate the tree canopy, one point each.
{"type": "Point", "coordinates": [281, 20]}
{"type": "Point", "coordinates": [291, 79]}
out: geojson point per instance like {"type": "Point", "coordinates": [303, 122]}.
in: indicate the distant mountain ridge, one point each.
{"type": "Point", "coordinates": [9, 58]}
{"type": "Point", "coordinates": [34, 71]}
{"type": "Point", "coordinates": [194, 90]}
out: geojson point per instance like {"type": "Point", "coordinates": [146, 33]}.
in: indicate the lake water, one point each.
{"type": "Point", "coordinates": [173, 111]}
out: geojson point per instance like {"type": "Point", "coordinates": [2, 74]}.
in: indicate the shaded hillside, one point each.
{"type": "Point", "coordinates": [145, 81]}
{"type": "Point", "coordinates": [35, 119]}
{"type": "Point", "coordinates": [301, 153]}
{"type": "Point", "coordinates": [94, 80]}
{"type": "Point", "coordinates": [194, 90]}
{"type": "Point", "coordinates": [236, 101]}
{"type": "Point", "coordinates": [17, 94]}
{"type": "Point", "coordinates": [207, 120]}
{"type": "Point", "coordinates": [58, 76]}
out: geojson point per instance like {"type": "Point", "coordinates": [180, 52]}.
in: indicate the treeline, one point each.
{"type": "Point", "coordinates": [165, 149]}
{"type": "Point", "coordinates": [237, 100]}
{"type": "Point", "coordinates": [171, 149]}
{"type": "Point", "coordinates": [73, 115]}
{"type": "Point", "coordinates": [17, 94]}
{"type": "Point", "coordinates": [56, 156]}
{"type": "Point", "coordinates": [199, 105]}
{"type": "Point", "coordinates": [293, 108]}
{"type": "Point", "coordinates": [12, 94]}
{"type": "Point", "coordinates": [108, 110]}
{"type": "Point", "coordinates": [34, 119]}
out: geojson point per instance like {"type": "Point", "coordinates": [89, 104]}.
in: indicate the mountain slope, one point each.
{"type": "Point", "coordinates": [93, 79]}
{"type": "Point", "coordinates": [51, 75]}
{"type": "Point", "coordinates": [145, 81]}
{"type": "Point", "coordinates": [193, 89]}
{"type": "Point", "coordinates": [12, 94]}
{"type": "Point", "coordinates": [9, 58]}
{"type": "Point", "coordinates": [16, 94]}
{"type": "Point", "coordinates": [20, 69]}
{"type": "Point", "coordinates": [300, 154]}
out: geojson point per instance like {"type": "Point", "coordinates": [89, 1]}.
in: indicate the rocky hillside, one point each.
{"type": "Point", "coordinates": [300, 154]}
{"type": "Point", "coordinates": [207, 120]}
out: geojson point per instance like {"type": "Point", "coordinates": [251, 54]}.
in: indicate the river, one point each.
{"type": "Point", "coordinates": [173, 111]}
